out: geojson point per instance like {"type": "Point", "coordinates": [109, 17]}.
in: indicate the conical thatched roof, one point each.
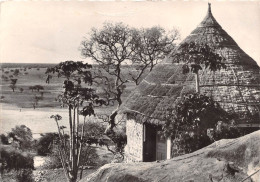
{"type": "Point", "coordinates": [237, 88]}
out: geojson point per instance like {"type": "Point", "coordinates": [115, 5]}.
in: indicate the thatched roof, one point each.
{"type": "Point", "coordinates": [237, 88]}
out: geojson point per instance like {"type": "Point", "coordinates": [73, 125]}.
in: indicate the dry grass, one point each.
{"type": "Point", "coordinates": [17, 107]}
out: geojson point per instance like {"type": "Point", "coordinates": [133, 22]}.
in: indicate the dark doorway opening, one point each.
{"type": "Point", "coordinates": [149, 152]}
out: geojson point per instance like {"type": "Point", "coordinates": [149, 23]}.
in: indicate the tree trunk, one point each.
{"type": "Point", "coordinates": [73, 166]}
{"type": "Point", "coordinates": [111, 122]}
{"type": "Point", "coordinates": [81, 172]}
{"type": "Point", "coordinates": [70, 121]}
{"type": "Point", "coordinates": [72, 179]}
{"type": "Point", "coordinates": [197, 82]}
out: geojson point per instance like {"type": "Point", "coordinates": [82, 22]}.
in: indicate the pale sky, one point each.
{"type": "Point", "coordinates": [51, 32]}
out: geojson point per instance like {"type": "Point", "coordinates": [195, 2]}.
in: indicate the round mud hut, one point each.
{"type": "Point", "coordinates": [236, 88]}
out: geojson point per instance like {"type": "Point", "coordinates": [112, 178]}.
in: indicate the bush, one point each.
{"type": "Point", "coordinates": [4, 139]}
{"type": "Point", "coordinates": [195, 122]}
{"type": "Point", "coordinates": [53, 162]}
{"type": "Point", "coordinates": [13, 159]}
{"type": "Point", "coordinates": [44, 145]}
{"type": "Point", "coordinates": [5, 78]}
{"type": "Point", "coordinates": [89, 157]}
{"type": "Point", "coordinates": [16, 72]}
{"type": "Point", "coordinates": [24, 175]}
{"type": "Point", "coordinates": [23, 135]}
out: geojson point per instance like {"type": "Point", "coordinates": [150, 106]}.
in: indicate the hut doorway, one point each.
{"type": "Point", "coordinates": [161, 148]}
{"type": "Point", "coordinates": [149, 152]}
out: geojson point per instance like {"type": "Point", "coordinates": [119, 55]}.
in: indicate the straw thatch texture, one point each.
{"type": "Point", "coordinates": [237, 88]}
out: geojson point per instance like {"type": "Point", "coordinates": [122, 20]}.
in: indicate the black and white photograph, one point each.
{"type": "Point", "coordinates": [130, 91]}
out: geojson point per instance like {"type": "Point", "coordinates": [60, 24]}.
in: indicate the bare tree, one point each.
{"type": "Point", "coordinates": [115, 46]}
{"type": "Point", "coordinates": [152, 45]}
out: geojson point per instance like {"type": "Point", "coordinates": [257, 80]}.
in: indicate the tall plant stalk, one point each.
{"type": "Point", "coordinates": [79, 100]}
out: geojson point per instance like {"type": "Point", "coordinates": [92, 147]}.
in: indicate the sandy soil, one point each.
{"type": "Point", "coordinates": [37, 120]}
{"type": "Point", "coordinates": [39, 161]}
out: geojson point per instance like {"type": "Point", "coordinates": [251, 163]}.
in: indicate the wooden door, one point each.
{"type": "Point", "coordinates": [161, 148]}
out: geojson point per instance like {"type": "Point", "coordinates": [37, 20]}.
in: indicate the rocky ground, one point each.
{"type": "Point", "coordinates": [55, 175]}
{"type": "Point", "coordinates": [233, 160]}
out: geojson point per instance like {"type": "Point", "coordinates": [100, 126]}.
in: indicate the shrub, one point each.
{"type": "Point", "coordinates": [23, 135]}
{"type": "Point", "coordinates": [54, 161]}
{"type": "Point", "coordinates": [5, 78]}
{"type": "Point", "coordinates": [44, 145]}
{"type": "Point", "coordinates": [24, 175]}
{"type": "Point", "coordinates": [21, 90]}
{"type": "Point", "coordinates": [47, 145]}
{"type": "Point", "coordinates": [16, 72]}
{"type": "Point", "coordinates": [89, 157]}
{"type": "Point", "coordinates": [14, 159]}
{"type": "Point", "coordinates": [38, 87]}
{"type": "Point", "coordinates": [195, 122]}
{"type": "Point", "coordinates": [4, 139]}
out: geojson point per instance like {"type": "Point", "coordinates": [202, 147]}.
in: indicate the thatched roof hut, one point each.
{"type": "Point", "coordinates": [236, 88]}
